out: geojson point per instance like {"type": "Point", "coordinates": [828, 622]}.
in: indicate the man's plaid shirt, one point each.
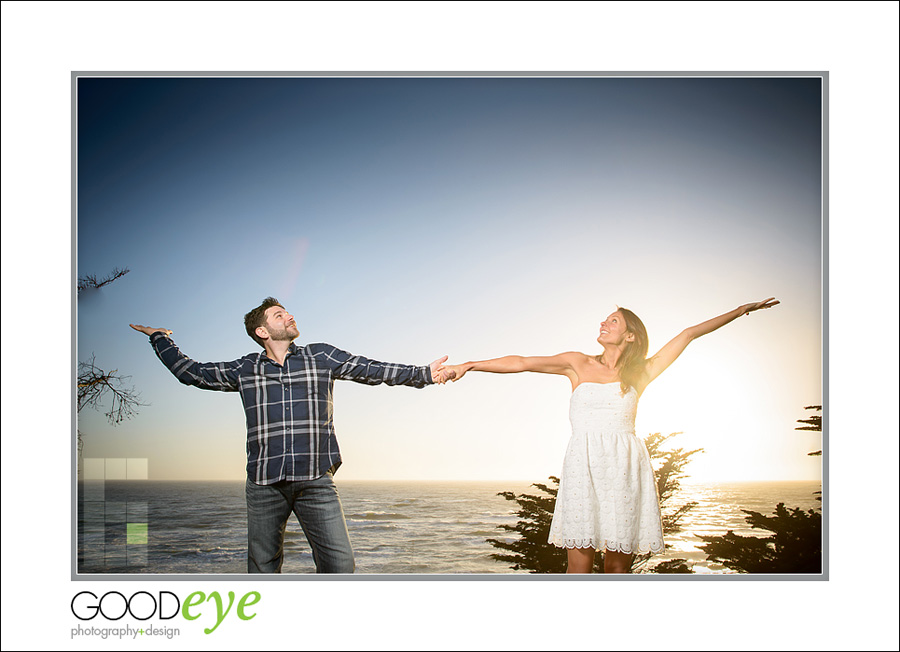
{"type": "Point", "coordinates": [289, 408]}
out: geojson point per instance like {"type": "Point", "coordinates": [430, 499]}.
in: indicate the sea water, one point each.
{"type": "Point", "coordinates": [417, 528]}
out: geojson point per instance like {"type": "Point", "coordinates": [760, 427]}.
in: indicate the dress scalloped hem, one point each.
{"type": "Point", "coordinates": [653, 548]}
{"type": "Point", "coordinates": [607, 498]}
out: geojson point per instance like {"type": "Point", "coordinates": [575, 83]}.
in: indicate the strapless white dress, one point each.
{"type": "Point", "coordinates": [607, 496]}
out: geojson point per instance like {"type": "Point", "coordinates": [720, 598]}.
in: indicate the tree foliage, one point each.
{"type": "Point", "coordinates": [812, 423]}
{"type": "Point", "coordinates": [530, 549]}
{"type": "Point", "coordinates": [794, 545]}
{"type": "Point", "coordinates": [669, 473]}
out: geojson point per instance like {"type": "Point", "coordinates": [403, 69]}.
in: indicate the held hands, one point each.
{"type": "Point", "coordinates": [438, 373]}
{"type": "Point", "coordinates": [146, 330]}
{"type": "Point", "coordinates": [441, 373]}
{"type": "Point", "coordinates": [762, 305]}
{"type": "Point", "coordinates": [452, 372]}
{"type": "Point", "coordinates": [456, 371]}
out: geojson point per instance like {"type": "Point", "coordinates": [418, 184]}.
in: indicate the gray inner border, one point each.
{"type": "Point", "coordinates": [823, 75]}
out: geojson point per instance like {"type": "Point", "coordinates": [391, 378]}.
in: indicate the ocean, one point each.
{"type": "Point", "coordinates": [177, 528]}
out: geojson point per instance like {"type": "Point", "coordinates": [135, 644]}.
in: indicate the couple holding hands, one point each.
{"type": "Point", "coordinates": [607, 497]}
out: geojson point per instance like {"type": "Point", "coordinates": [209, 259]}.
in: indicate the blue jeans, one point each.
{"type": "Point", "coordinates": [318, 508]}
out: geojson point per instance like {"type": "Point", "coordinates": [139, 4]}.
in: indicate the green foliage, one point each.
{"type": "Point", "coordinates": [794, 545]}
{"type": "Point", "coordinates": [530, 549]}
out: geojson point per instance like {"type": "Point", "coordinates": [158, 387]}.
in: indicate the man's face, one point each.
{"type": "Point", "coordinates": [280, 324]}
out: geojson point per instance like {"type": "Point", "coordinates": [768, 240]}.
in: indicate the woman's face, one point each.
{"type": "Point", "coordinates": [614, 330]}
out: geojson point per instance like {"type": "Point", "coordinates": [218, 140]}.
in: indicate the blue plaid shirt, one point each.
{"type": "Point", "coordinates": [289, 408]}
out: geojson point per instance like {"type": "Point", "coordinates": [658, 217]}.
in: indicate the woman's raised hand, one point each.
{"type": "Point", "coordinates": [761, 305]}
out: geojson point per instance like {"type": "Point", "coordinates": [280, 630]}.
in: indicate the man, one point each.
{"type": "Point", "coordinates": [292, 452]}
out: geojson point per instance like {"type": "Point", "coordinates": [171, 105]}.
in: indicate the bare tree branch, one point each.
{"type": "Point", "coordinates": [95, 384]}
{"type": "Point", "coordinates": [91, 282]}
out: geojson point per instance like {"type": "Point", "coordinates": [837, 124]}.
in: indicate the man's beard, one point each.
{"type": "Point", "coordinates": [284, 335]}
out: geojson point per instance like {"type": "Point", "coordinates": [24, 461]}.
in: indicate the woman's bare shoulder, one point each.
{"type": "Point", "coordinates": [576, 358]}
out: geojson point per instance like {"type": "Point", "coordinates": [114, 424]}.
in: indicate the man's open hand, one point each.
{"type": "Point", "coordinates": [146, 330]}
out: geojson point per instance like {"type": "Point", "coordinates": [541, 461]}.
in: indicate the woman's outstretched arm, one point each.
{"type": "Point", "coordinates": [670, 352]}
{"type": "Point", "coordinates": [562, 364]}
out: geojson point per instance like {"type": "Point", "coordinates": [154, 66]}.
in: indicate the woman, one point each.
{"type": "Point", "coordinates": [607, 496]}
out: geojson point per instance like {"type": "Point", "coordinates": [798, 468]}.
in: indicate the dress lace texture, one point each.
{"type": "Point", "coordinates": [607, 496]}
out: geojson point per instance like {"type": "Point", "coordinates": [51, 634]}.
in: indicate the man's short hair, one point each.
{"type": "Point", "coordinates": [257, 317]}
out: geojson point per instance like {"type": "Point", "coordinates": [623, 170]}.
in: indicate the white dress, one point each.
{"type": "Point", "coordinates": [607, 496]}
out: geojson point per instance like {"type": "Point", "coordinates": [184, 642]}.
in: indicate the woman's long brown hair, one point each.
{"type": "Point", "coordinates": [633, 362]}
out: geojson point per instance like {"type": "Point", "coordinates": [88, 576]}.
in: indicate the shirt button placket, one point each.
{"type": "Point", "coordinates": [286, 397]}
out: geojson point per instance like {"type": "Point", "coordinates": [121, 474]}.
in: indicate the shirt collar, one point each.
{"type": "Point", "coordinates": [293, 349]}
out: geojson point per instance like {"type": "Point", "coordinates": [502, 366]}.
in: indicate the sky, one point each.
{"type": "Point", "coordinates": [407, 218]}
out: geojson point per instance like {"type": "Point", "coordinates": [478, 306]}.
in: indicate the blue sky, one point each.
{"type": "Point", "coordinates": [407, 218]}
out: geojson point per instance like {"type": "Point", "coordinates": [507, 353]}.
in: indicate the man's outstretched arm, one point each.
{"type": "Point", "coordinates": [220, 376]}
{"type": "Point", "coordinates": [347, 366]}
